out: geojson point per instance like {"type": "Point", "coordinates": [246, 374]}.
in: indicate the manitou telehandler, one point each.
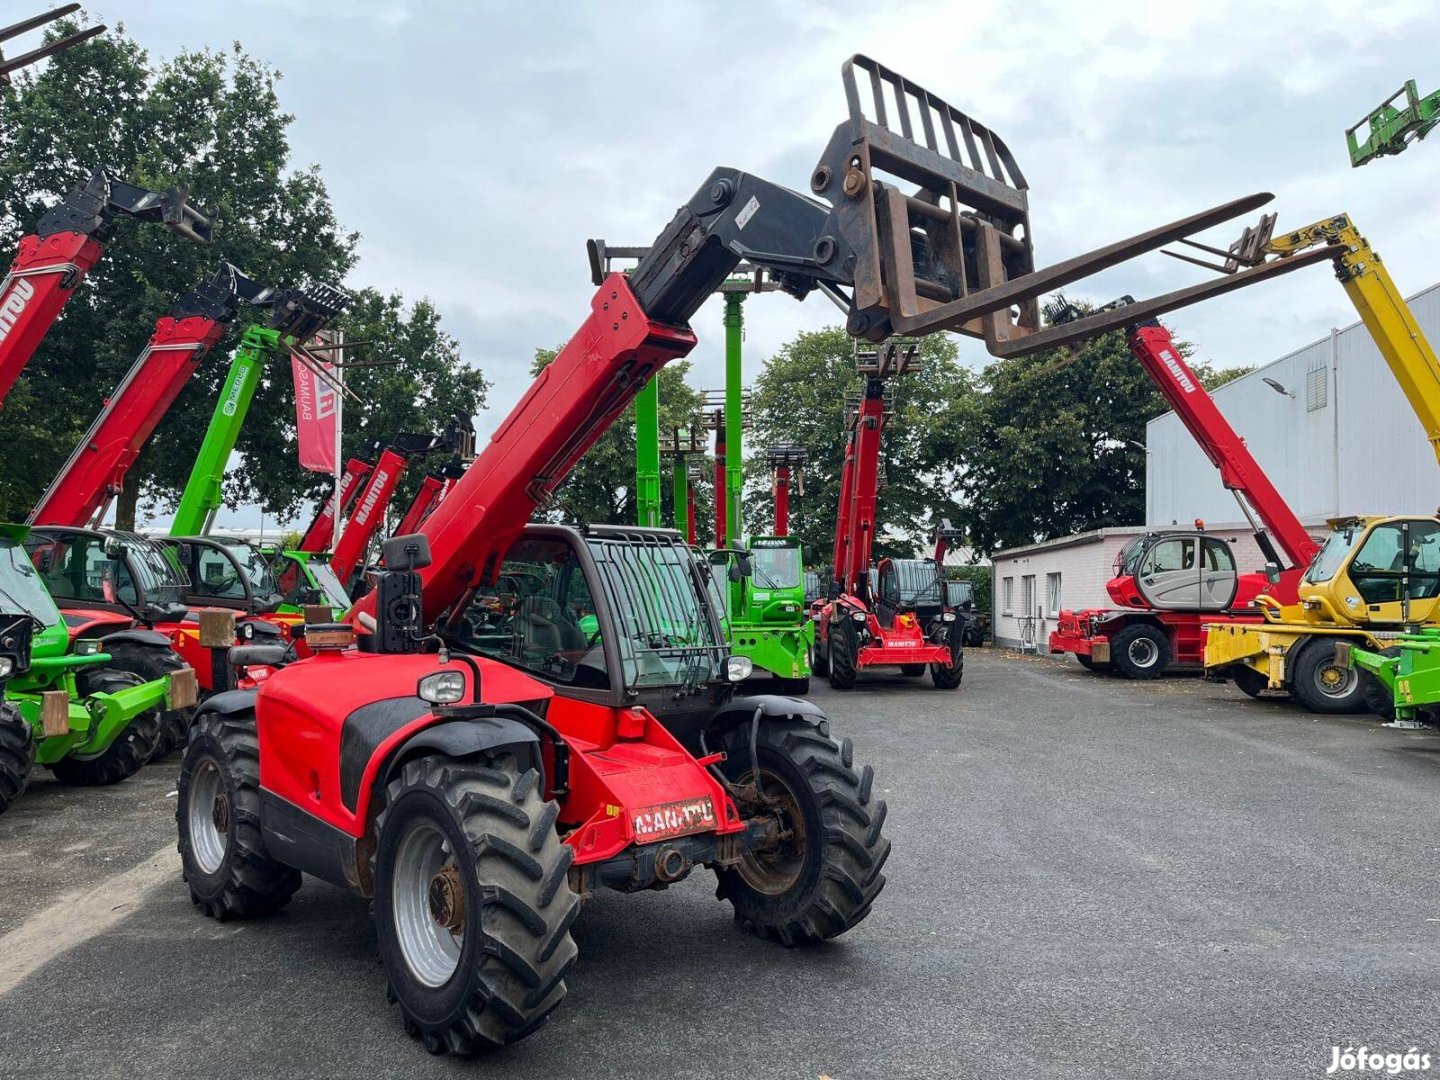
{"type": "Point", "coordinates": [95, 690]}
{"type": "Point", "coordinates": [863, 625]}
{"type": "Point", "coordinates": [1168, 584]}
{"type": "Point", "coordinates": [480, 763]}
{"type": "Point", "coordinates": [68, 242]}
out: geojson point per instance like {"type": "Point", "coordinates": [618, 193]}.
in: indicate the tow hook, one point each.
{"type": "Point", "coordinates": [671, 864]}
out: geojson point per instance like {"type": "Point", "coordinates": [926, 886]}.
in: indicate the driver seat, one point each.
{"type": "Point", "coordinates": [544, 627]}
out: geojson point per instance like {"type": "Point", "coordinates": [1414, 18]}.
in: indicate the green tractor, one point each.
{"type": "Point", "coordinates": [91, 702]}
{"type": "Point", "coordinates": [306, 581]}
{"type": "Point", "coordinates": [764, 589]}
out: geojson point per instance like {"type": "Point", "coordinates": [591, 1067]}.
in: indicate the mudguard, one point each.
{"type": "Point", "coordinates": [137, 637]}
{"type": "Point", "coordinates": [467, 738]}
{"type": "Point", "coordinates": [740, 710]}
{"type": "Point", "coordinates": [230, 702]}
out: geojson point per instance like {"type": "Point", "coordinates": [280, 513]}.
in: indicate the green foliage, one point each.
{"type": "Point", "coordinates": [1055, 444]}
{"type": "Point", "coordinates": [601, 487]}
{"type": "Point", "coordinates": [211, 120]}
{"type": "Point", "coordinates": [799, 397]}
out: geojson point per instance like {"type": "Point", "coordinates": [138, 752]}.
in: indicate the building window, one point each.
{"type": "Point", "coordinates": [1317, 383]}
{"type": "Point", "coordinates": [1052, 594]}
{"type": "Point", "coordinates": [1009, 590]}
{"type": "Point", "coordinates": [1027, 594]}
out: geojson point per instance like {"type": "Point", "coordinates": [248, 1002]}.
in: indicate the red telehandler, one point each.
{"type": "Point", "coordinates": [320, 536]}
{"type": "Point", "coordinates": [67, 243]}
{"type": "Point", "coordinates": [864, 625]}
{"type": "Point", "coordinates": [1169, 584]}
{"type": "Point", "coordinates": [536, 711]}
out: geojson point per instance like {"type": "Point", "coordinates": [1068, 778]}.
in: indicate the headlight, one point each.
{"type": "Point", "coordinates": [858, 616]}
{"type": "Point", "coordinates": [441, 688]}
{"type": "Point", "coordinates": [7, 665]}
{"type": "Point", "coordinates": [949, 616]}
{"type": "Point", "coordinates": [87, 647]}
{"type": "Point", "coordinates": [738, 668]}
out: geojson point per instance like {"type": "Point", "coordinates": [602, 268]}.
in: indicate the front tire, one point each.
{"type": "Point", "coordinates": [154, 662]}
{"type": "Point", "coordinates": [1251, 683]}
{"type": "Point", "coordinates": [1140, 651]}
{"type": "Point", "coordinates": [823, 879]}
{"type": "Point", "coordinates": [217, 813]}
{"type": "Point", "coordinates": [912, 671]}
{"type": "Point", "coordinates": [473, 905]}
{"type": "Point", "coordinates": [1089, 663]}
{"type": "Point", "coordinates": [819, 658]}
{"type": "Point", "coordinates": [844, 652]}
{"type": "Point", "coordinates": [1322, 685]}
{"type": "Point", "coordinates": [948, 676]}
{"type": "Point", "coordinates": [792, 687]}
{"type": "Point", "coordinates": [17, 755]}
{"type": "Point", "coordinates": [133, 747]}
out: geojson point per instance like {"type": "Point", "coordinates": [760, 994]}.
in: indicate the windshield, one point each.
{"type": "Point", "coordinates": [330, 587]}
{"type": "Point", "coordinates": [774, 567]}
{"type": "Point", "coordinates": [1332, 554]}
{"type": "Point", "coordinates": [21, 590]}
{"type": "Point", "coordinates": [1128, 560]}
{"type": "Point", "coordinates": [919, 582]}
{"type": "Point", "coordinates": [255, 568]}
{"type": "Point", "coordinates": [298, 579]}
{"type": "Point", "coordinates": [160, 578]}
{"type": "Point", "coordinates": [667, 631]}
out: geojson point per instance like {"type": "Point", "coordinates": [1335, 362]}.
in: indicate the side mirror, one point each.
{"type": "Point", "coordinates": [1272, 572]}
{"type": "Point", "coordinates": [406, 552]}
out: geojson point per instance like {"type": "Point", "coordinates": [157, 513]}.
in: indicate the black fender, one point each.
{"type": "Point", "coordinates": [230, 702]}
{"type": "Point", "coordinates": [137, 637]}
{"type": "Point", "coordinates": [468, 738]}
{"type": "Point", "coordinates": [740, 710]}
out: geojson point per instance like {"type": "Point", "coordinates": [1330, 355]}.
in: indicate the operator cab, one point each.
{"type": "Point", "coordinates": [108, 570]}
{"type": "Point", "coordinates": [908, 586]}
{"type": "Point", "coordinates": [618, 616]}
{"type": "Point", "coordinates": [305, 578]}
{"type": "Point", "coordinates": [1376, 570]}
{"type": "Point", "coordinates": [1175, 571]}
{"type": "Point", "coordinates": [225, 572]}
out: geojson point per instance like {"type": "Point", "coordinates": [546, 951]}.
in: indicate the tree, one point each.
{"type": "Point", "coordinates": [1056, 444]}
{"type": "Point", "coordinates": [601, 487]}
{"type": "Point", "coordinates": [211, 120]}
{"type": "Point", "coordinates": [800, 397]}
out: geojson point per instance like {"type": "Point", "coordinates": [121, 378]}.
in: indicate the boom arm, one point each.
{"type": "Point", "coordinates": [321, 534]}
{"type": "Point", "coordinates": [81, 493]}
{"type": "Point", "coordinates": [67, 243]}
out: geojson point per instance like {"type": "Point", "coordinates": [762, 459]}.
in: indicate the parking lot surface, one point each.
{"type": "Point", "coordinates": [1090, 878]}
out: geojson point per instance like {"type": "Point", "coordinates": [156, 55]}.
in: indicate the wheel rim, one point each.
{"type": "Point", "coordinates": [429, 905]}
{"type": "Point", "coordinates": [209, 816]}
{"type": "Point", "coordinates": [1334, 681]}
{"type": "Point", "coordinates": [1143, 652]}
{"type": "Point", "coordinates": [774, 871]}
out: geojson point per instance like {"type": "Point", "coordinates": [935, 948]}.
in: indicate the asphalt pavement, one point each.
{"type": "Point", "coordinates": [1090, 878]}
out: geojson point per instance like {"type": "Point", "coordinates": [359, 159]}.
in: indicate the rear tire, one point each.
{"type": "Point", "coordinates": [1251, 682]}
{"type": "Point", "coordinates": [154, 662]}
{"type": "Point", "coordinates": [948, 676]}
{"type": "Point", "coordinates": [912, 671]}
{"type": "Point", "coordinates": [1140, 651]}
{"type": "Point", "coordinates": [476, 947]}
{"type": "Point", "coordinates": [17, 755]}
{"type": "Point", "coordinates": [1378, 698]}
{"type": "Point", "coordinates": [792, 687]}
{"type": "Point", "coordinates": [125, 756]}
{"type": "Point", "coordinates": [1089, 663]}
{"type": "Point", "coordinates": [826, 885]}
{"type": "Point", "coordinates": [819, 658]}
{"type": "Point", "coordinates": [217, 814]}
{"type": "Point", "coordinates": [1320, 684]}
{"type": "Point", "coordinates": [844, 651]}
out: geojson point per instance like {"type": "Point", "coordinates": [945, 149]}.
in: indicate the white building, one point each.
{"type": "Point", "coordinates": [1329, 425]}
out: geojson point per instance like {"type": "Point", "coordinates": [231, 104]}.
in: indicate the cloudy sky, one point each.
{"type": "Point", "coordinates": [476, 145]}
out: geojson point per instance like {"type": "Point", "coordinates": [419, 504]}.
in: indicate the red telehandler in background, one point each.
{"type": "Point", "coordinates": [349, 558]}
{"type": "Point", "coordinates": [864, 626]}
{"type": "Point", "coordinates": [537, 711]}
{"type": "Point", "coordinates": [67, 243]}
{"type": "Point", "coordinates": [433, 489]}
{"type": "Point", "coordinates": [1169, 584]}
{"type": "Point", "coordinates": [320, 536]}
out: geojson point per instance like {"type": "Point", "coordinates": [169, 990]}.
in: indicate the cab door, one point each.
{"type": "Point", "coordinates": [1396, 560]}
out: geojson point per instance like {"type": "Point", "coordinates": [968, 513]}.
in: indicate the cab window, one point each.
{"type": "Point", "coordinates": [539, 615]}
{"type": "Point", "coordinates": [1170, 555]}
{"type": "Point", "coordinates": [215, 575]}
{"type": "Point", "coordinates": [1216, 555]}
{"type": "Point", "coordinates": [1379, 567]}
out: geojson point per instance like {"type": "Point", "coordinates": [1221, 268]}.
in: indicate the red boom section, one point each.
{"type": "Point", "coordinates": [41, 280]}
{"type": "Point", "coordinates": [321, 533]}
{"type": "Point", "coordinates": [568, 406]}
{"type": "Point", "coordinates": [81, 492]}
{"type": "Point", "coordinates": [782, 500]}
{"type": "Point", "coordinates": [840, 557]}
{"type": "Point", "coordinates": [369, 513]}
{"type": "Point", "coordinates": [415, 513]}
{"type": "Point", "coordinates": [1153, 346]}
{"type": "Point", "coordinates": [868, 426]}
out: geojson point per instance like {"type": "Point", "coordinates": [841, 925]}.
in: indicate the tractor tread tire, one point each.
{"type": "Point", "coordinates": [152, 662]}
{"type": "Point", "coordinates": [17, 755]}
{"type": "Point", "coordinates": [948, 676]}
{"type": "Point", "coordinates": [912, 671]}
{"type": "Point", "coordinates": [1120, 652]}
{"type": "Point", "coordinates": [249, 882]}
{"type": "Point", "coordinates": [843, 651]}
{"type": "Point", "coordinates": [1302, 675]}
{"type": "Point", "coordinates": [819, 660]}
{"type": "Point", "coordinates": [131, 749]}
{"type": "Point", "coordinates": [842, 879]}
{"type": "Point", "coordinates": [522, 947]}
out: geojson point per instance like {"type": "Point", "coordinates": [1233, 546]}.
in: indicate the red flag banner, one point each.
{"type": "Point", "coordinates": [315, 401]}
